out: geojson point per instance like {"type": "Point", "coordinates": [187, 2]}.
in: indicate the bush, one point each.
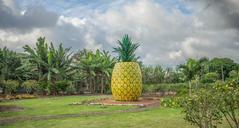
{"type": "Point", "coordinates": [210, 77]}
{"type": "Point", "coordinates": [234, 75]}
{"type": "Point", "coordinates": [42, 87]}
{"type": "Point", "coordinates": [201, 109]}
{"type": "Point", "coordinates": [71, 89]}
{"type": "Point", "coordinates": [172, 102]}
{"type": "Point", "coordinates": [179, 88]}
{"type": "Point", "coordinates": [62, 85]}
{"type": "Point", "coordinates": [228, 95]}
{"type": "Point", "coordinates": [30, 86]}
{"type": "Point", "coordinates": [10, 86]}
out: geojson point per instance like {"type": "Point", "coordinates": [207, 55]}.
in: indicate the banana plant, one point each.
{"type": "Point", "coordinates": [52, 64]}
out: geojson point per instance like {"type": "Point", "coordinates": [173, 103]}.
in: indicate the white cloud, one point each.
{"type": "Point", "coordinates": [90, 43]}
{"type": "Point", "coordinates": [77, 22]}
{"type": "Point", "coordinates": [17, 40]}
{"type": "Point", "coordinates": [166, 37]}
{"type": "Point", "coordinates": [175, 54]}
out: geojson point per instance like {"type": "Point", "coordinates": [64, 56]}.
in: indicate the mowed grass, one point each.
{"type": "Point", "coordinates": [151, 118]}
{"type": "Point", "coordinates": [56, 106]}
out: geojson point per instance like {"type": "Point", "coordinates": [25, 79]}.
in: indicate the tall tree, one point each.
{"type": "Point", "coordinates": [222, 66]}
{"type": "Point", "coordinates": [190, 69]}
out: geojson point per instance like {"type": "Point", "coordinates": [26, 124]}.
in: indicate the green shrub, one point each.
{"type": "Point", "coordinates": [71, 89]}
{"type": "Point", "coordinates": [62, 85]}
{"type": "Point", "coordinates": [201, 109]}
{"type": "Point", "coordinates": [228, 96]}
{"type": "Point", "coordinates": [234, 75]}
{"type": "Point", "coordinates": [10, 86]}
{"type": "Point", "coordinates": [172, 102]}
{"type": "Point", "coordinates": [30, 86]}
{"type": "Point", "coordinates": [42, 87]}
{"type": "Point", "coordinates": [210, 77]}
{"type": "Point", "coordinates": [179, 88]}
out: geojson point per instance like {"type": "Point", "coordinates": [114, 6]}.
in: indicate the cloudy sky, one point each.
{"type": "Point", "coordinates": [169, 31]}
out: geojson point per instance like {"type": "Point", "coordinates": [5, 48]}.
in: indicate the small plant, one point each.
{"type": "Point", "coordinates": [171, 102]}
{"type": "Point", "coordinates": [30, 86]}
{"type": "Point", "coordinates": [10, 86]}
{"type": "Point", "coordinates": [71, 89]}
{"type": "Point", "coordinates": [62, 85]}
{"type": "Point", "coordinates": [126, 49]}
{"type": "Point", "coordinates": [42, 87]}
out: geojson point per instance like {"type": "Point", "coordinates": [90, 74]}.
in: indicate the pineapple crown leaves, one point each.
{"type": "Point", "coordinates": [126, 49]}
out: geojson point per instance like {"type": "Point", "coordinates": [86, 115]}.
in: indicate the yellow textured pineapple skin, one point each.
{"type": "Point", "coordinates": [126, 82]}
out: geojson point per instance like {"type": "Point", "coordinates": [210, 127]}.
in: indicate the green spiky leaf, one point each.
{"type": "Point", "coordinates": [126, 49]}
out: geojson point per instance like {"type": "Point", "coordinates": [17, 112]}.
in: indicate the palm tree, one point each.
{"type": "Point", "coordinates": [190, 69]}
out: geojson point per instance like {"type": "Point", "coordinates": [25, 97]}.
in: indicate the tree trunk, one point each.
{"type": "Point", "coordinates": [91, 85]}
{"type": "Point", "coordinates": [94, 84]}
{"type": "Point", "coordinates": [190, 88]}
{"type": "Point", "coordinates": [222, 73]}
{"type": "Point", "coordinates": [102, 85]}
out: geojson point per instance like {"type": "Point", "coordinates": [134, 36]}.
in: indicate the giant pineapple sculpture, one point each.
{"type": "Point", "coordinates": [126, 83]}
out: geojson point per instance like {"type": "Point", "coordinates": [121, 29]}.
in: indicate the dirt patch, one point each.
{"type": "Point", "coordinates": [10, 108]}
{"type": "Point", "coordinates": [142, 102]}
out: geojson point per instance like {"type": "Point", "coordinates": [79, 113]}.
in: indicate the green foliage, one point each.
{"type": "Point", "coordinates": [71, 89]}
{"type": "Point", "coordinates": [94, 69]}
{"type": "Point", "coordinates": [156, 74]}
{"type": "Point", "coordinates": [171, 102]}
{"type": "Point", "coordinates": [179, 88]}
{"type": "Point", "coordinates": [234, 74]}
{"type": "Point", "coordinates": [30, 86]}
{"type": "Point", "coordinates": [10, 86]}
{"type": "Point", "coordinates": [190, 68]}
{"type": "Point", "coordinates": [126, 49]}
{"type": "Point", "coordinates": [201, 109]}
{"type": "Point", "coordinates": [52, 63]}
{"type": "Point", "coordinates": [42, 87]}
{"type": "Point", "coordinates": [210, 77]}
{"type": "Point", "coordinates": [9, 62]}
{"type": "Point", "coordinates": [228, 96]}
{"type": "Point", "coordinates": [152, 74]}
{"type": "Point", "coordinates": [222, 66]}
{"type": "Point", "coordinates": [62, 85]}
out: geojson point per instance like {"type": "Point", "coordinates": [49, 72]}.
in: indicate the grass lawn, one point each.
{"type": "Point", "coordinates": [59, 106]}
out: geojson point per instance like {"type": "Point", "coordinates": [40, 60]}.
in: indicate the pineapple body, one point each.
{"type": "Point", "coordinates": [126, 83]}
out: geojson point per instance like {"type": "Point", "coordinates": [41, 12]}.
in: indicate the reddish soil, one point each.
{"type": "Point", "coordinates": [142, 102]}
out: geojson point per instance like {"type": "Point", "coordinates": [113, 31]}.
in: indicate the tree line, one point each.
{"type": "Point", "coordinates": [48, 69]}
